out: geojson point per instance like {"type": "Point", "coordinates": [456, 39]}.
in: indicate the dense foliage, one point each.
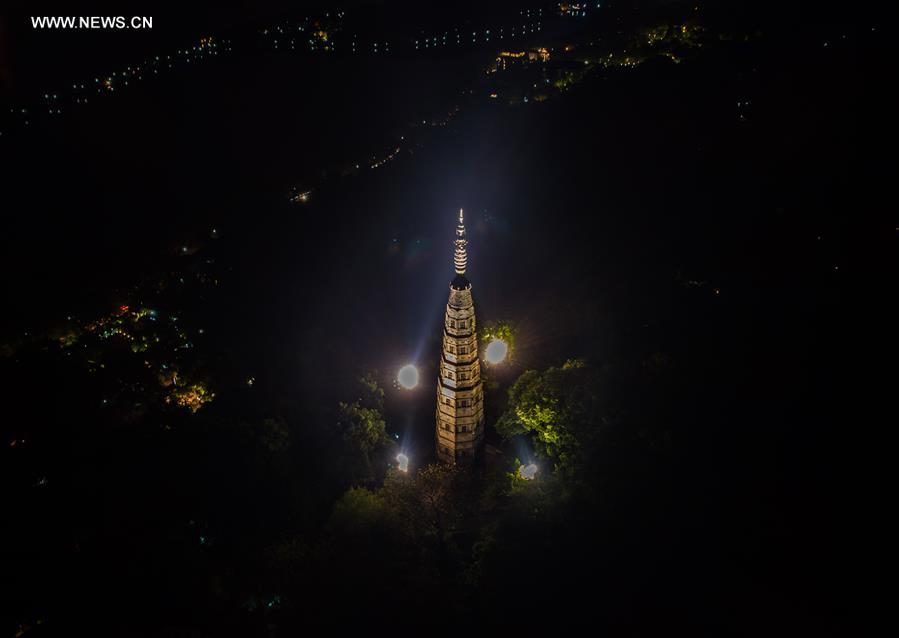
{"type": "Point", "coordinates": [562, 408]}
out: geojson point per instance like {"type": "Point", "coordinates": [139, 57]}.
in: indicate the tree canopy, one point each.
{"type": "Point", "coordinates": [363, 430]}
{"type": "Point", "coordinates": [560, 409]}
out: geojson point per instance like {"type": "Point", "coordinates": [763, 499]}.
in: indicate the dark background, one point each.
{"type": "Point", "coordinates": [589, 215]}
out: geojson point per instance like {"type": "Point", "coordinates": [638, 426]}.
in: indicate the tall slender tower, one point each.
{"type": "Point", "coordinates": [460, 395]}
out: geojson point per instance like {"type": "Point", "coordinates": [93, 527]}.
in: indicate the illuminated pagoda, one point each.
{"type": "Point", "coordinates": [460, 394]}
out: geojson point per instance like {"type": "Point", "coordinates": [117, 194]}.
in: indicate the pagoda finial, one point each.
{"type": "Point", "coordinates": [460, 257]}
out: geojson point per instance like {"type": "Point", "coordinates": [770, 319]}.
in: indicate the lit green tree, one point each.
{"type": "Point", "coordinates": [363, 431]}
{"type": "Point", "coordinates": [372, 394]}
{"type": "Point", "coordinates": [561, 410]}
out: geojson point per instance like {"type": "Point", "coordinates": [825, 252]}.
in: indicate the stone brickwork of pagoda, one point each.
{"type": "Point", "coordinates": [460, 394]}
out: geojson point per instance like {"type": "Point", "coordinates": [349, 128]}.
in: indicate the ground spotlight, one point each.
{"type": "Point", "coordinates": [408, 376]}
{"type": "Point", "coordinates": [496, 351]}
{"type": "Point", "coordinates": [528, 471]}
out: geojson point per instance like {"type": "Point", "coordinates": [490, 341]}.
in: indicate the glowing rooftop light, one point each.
{"type": "Point", "coordinates": [408, 376]}
{"type": "Point", "coordinates": [528, 472]}
{"type": "Point", "coordinates": [496, 351]}
{"type": "Point", "coordinates": [403, 462]}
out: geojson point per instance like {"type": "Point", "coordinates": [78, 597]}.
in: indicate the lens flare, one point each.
{"type": "Point", "coordinates": [403, 462]}
{"type": "Point", "coordinates": [408, 376]}
{"type": "Point", "coordinates": [496, 351]}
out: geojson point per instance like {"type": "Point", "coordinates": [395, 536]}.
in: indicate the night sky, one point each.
{"type": "Point", "coordinates": [687, 227]}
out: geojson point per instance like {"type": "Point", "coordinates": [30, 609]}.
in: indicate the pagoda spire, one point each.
{"type": "Point", "coordinates": [460, 256]}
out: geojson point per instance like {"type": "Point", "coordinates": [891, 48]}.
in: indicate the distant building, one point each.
{"type": "Point", "coordinates": [460, 393]}
{"type": "Point", "coordinates": [539, 54]}
{"type": "Point", "coordinates": [573, 9]}
{"type": "Point", "coordinates": [506, 57]}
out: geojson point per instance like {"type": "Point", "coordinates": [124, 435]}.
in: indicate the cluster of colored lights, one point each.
{"type": "Point", "coordinates": [300, 195]}
{"type": "Point", "coordinates": [132, 325]}
{"type": "Point", "coordinates": [504, 58]}
{"type": "Point", "coordinates": [309, 34]}
{"type": "Point", "coordinates": [193, 396]}
{"type": "Point", "coordinates": [622, 61]}
{"type": "Point", "coordinates": [573, 10]}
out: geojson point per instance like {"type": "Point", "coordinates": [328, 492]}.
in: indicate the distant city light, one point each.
{"type": "Point", "coordinates": [403, 462]}
{"type": "Point", "coordinates": [528, 472]}
{"type": "Point", "coordinates": [496, 351]}
{"type": "Point", "coordinates": [408, 376]}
